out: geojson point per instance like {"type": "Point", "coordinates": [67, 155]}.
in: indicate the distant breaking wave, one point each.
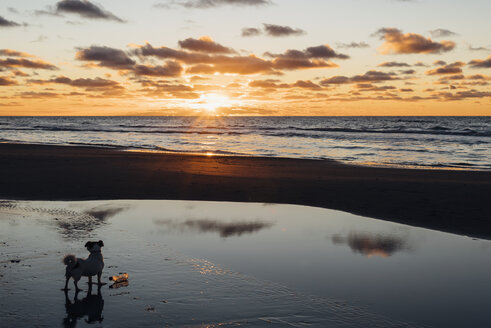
{"type": "Point", "coordinates": [437, 130]}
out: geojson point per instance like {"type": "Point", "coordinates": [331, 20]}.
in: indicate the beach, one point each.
{"type": "Point", "coordinates": [455, 201]}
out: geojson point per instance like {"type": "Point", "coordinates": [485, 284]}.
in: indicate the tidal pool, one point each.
{"type": "Point", "coordinates": [219, 264]}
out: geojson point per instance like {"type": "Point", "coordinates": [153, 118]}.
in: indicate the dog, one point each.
{"type": "Point", "coordinates": [78, 268]}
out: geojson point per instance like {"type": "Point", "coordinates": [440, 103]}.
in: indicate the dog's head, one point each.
{"type": "Point", "coordinates": [94, 246]}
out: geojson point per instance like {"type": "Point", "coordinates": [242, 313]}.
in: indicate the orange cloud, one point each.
{"type": "Point", "coordinates": [410, 43]}
{"type": "Point", "coordinates": [368, 77]}
{"type": "Point", "coordinates": [204, 63]}
{"type": "Point", "coordinates": [454, 68]}
{"type": "Point", "coordinates": [26, 63]}
{"type": "Point", "coordinates": [481, 63]}
{"type": "Point", "coordinates": [5, 81]}
{"type": "Point", "coordinates": [205, 44]}
{"type": "Point", "coordinates": [14, 53]}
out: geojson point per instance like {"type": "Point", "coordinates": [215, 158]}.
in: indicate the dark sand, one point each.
{"type": "Point", "coordinates": [447, 200]}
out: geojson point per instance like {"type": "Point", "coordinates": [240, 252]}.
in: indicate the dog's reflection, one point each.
{"type": "Point", "coordinates": [91, 306]}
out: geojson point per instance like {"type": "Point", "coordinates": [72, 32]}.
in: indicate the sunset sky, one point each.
{"type": "Point", "coordinates": [245, 57]}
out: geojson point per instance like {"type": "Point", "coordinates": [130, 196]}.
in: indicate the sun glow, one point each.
{"type": "Point", "coordinates": [211, 102]}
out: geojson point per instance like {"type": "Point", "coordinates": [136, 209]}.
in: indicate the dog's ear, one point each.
{"type": "Point", "coordinates": [87, 244]}
{"type": "Point", "coordinates": [101, 243]}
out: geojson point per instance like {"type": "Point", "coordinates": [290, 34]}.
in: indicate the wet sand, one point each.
{"type": "Point", "coordinates": [448, 200]}
{"type": "Point", "coordinates": [229, 264]}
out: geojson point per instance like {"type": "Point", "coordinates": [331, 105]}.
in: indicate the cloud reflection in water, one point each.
{"type": "Point", "coordinates": [72, 224]}
{"type": "Point", "coordinates": [372, 244]}
{"type": "Point", "coordinates": [104, 212]}
{"type": "Point", "coordinates": [224, 229]}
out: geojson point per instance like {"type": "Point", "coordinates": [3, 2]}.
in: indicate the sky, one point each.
{"type": "Point", "coordinates": [245, 57]}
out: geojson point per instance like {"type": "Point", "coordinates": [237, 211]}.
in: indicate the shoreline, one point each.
{"type": "Point", "coordinates": [455, 201]}
{"type": "Point", "coordinates": [240, 155]}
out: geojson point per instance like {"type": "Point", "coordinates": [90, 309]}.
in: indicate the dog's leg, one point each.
{"type": "Point", "coordinates": [99, 282]}
{"type": "Point", "coordinates": [66, 284]}
{"type": "Point", "coordinates": [90, 282]}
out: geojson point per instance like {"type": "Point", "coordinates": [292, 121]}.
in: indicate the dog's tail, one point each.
{"type": "Point", "coordinates": [70, 260]}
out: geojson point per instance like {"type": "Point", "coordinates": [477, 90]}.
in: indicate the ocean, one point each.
{"type": "Point", "coordinates": [427, 142]}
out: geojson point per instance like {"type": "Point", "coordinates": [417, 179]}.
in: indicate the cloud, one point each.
{"type": "Point", "coordinates": [306, 85]}
{"type": "Point", "coordinates": [80, 83]}
{"type": "Point", "coordinates": [373, 88]}
{"type": "Point", "coordinates": [205, 4]}
{"type": "Point", "coordinates": [368, 77]}
{"type": "Point", "coordinates": [206, 63]}
{"type": "Point", "coordinates": [454, 68]}
{"type": "Point", "coordinates": [14, 53]}
{"type": "Point", "coordinates": [197, 78]}
{"type": "Point", "coordinates": [204, 44]}
{"type": "Point", "coordinates": [120, 60]}
{"type": "Point", "coordinates": [5, 81]}
{"type": "Point", "coordinates": [282, 31]}
{"type": "Point", "coordinates": [276, 84]}
{"type": "Point", "coordinates": [273, 31]}
{"type": "Point", "coordinates": [7, 23]}
{"type": "Point", "coordinates": [26, 63]}
{"type": "Point", "coordinates": [209, 64]}
{"type": "Point", "coordinates": [49, 12]}
{"type": "Point", "coordinates": [106, 57]}
{"type": "Point", "coordinates": [165, 89]}
{"type": "Point", "coordinates": [169, 69]}
{"type": "Point", "coordinates": [374, 76]}
{"type": "Point", "coordinates": [481, 63]}
{"type": "Point", "coordinates": [102, 86]}
{"type": "Point", "coordinates": [471, 48]}
{"type": "Point", "coordinates": [37, 95]}
{"type": "Point", "coordinates": [86, 9]}
{"type": "Point", "coordinates": [336, 80]}
{"type": "Point", "coordinates": [479, 77]}
{"type": "Point", "coordinates": [461, 95]}
{"type": "Point", "coordinates": [409, 71]}
{"type": "Point", "coordinates": [268, 84]}
{"type": "Point", "coordinates": [205, 56]}
{"type": "Point", "coordinates": [312, 57]}
{"type": "Point", "coordinates": [295, 61]}
{"type": "Point", "coordinates": [353, 45]}
{"type": "Point", "coordinates": [393, 64]}
{"type": "Point", "coordinates": [452, 77]}
{"type": "Point", "coordinates": [325, 52]}
{"type": "Point", "coordinates": [410, 43]}
{"type": "Point", "coordinates": [442, 33]}
{"type": "Point", "coordinates": [251, 31]}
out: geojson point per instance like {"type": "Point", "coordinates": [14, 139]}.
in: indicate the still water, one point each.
{"type": "Point", "coordinates": [227, 264]}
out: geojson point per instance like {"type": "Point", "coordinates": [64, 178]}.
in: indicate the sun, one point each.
{"type": "Point", "coordinates": [209, 103]}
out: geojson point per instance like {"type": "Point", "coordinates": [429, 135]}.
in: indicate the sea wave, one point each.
{"type": "Point", "coordinates": [408, 141]}
{"type": "Point", "coordinates": [294, 131]}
